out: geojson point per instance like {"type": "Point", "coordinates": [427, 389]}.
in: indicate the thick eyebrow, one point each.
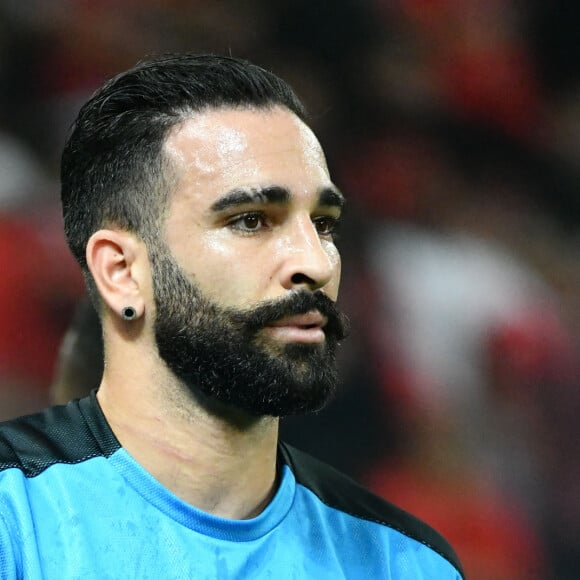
{"type": "Point", "coordinates": [236, 197]}
{"type": "Point", "coordinates": [331, 197]}
{"type": "Point", "coordinates": [328, 197]}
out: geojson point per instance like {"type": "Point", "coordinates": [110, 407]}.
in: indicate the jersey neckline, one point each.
{"type": "Point", "coordinates": [195, 519]}
{"type": "Point", "coordinates": [180, 511]}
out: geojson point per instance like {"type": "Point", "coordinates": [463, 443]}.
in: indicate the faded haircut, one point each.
{"type": "Point", "coordinates": [114, 172]}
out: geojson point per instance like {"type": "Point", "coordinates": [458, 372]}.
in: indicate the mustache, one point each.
{"type": "Point", "coordinates": [296, 303]}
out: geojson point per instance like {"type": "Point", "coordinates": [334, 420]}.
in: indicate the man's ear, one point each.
{"type": "Point", "coordinates": [116, 261]}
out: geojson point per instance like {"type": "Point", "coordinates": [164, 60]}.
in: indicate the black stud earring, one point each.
{"type": "Point", "coordinates": [128, 313]}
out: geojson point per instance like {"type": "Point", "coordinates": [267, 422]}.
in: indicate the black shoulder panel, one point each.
{"type": "Point", "coordinates": [338, 491]}
{"type": "Point", "coordinates": [69, 433]}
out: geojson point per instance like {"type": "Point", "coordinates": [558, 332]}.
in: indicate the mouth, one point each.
{"type": "Point", "coordinates": [304, 328]}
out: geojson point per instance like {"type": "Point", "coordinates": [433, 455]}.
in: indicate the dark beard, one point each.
{"type": "Point", "coordinates": [222, 355]}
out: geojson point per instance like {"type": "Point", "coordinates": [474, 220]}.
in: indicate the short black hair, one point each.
{"type": "Point", "coordinates": [113, 170]}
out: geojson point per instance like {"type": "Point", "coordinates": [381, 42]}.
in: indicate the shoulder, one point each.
{"type": "Point", "coordinates": [69, 433]}
{"type": "Point", "coordinates": [336, 490]}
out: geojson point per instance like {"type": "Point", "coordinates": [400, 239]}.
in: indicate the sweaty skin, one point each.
{"type": "Point", "coordinates": [250, 219]}
{"type": "Point", "coordinates": [229, 149]}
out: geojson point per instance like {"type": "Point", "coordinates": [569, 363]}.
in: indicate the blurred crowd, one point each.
{"type": "Point", "coordinates": [453, 126]}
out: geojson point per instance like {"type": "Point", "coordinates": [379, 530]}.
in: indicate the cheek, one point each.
{"type": "Point", "coordinates": [226, 274]}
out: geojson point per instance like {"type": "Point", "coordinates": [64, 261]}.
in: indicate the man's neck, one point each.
{"type": "Point", "coordinates": [220, 466]}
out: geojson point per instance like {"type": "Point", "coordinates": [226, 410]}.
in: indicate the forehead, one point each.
{"type": "Point", "coordinates": [222, 149]}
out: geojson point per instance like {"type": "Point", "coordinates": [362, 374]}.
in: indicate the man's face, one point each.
{"type": "Point", "coordinates": [247, 278]}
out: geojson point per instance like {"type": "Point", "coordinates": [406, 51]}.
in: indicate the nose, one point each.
{"type": "Point", "coordinates": [308, 260]}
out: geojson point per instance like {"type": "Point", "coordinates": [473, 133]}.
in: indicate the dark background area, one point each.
{"type": "Point", "coordinates": [454, 128]}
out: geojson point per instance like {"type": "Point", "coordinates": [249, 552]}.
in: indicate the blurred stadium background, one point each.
{"type": "Point", "coordinates": [454, 128]}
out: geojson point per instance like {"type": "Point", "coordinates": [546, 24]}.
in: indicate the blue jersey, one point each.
{"type": "Point", "coordinates": [75, 504]}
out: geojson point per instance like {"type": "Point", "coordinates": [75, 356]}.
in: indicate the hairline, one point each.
{"type": "Point", "coordinates": [170, 174]}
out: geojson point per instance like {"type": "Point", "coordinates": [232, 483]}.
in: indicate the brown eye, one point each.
{"type": "Point", "coordinates": [248, 222]}
{"type": "Point", "coordinates": [251, 222]}
{"type": "Point", "coordinates": [325, 226]}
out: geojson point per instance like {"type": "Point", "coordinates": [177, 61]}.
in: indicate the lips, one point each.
{"type": "Point", "coordinates": [309, 320]}
{"type": "Point", "coordinates": [305, 328]}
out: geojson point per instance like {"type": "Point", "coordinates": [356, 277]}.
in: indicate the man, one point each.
{"type": "Point", "coordinates": [199, 206]}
